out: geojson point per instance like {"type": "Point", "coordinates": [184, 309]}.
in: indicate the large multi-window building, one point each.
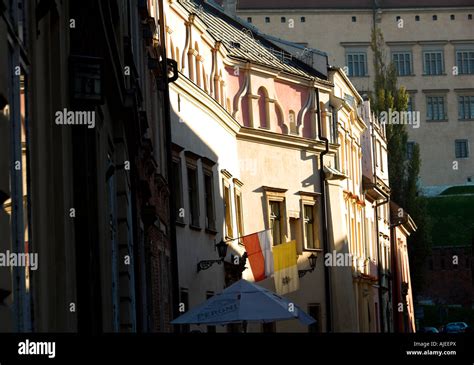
{"type": "Point", "coordinates": [431, 44]}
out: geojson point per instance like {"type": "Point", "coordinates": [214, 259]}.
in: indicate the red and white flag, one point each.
{"type": "Point", "coordinates": [259, 250]}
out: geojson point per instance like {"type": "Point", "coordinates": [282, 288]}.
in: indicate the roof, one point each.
{"type": "Point", "coordinates": [349, 4]}
{"type": "Point", "coordinates": [406, 220]}
{"type": "Point", "coordinates": [244, 42]}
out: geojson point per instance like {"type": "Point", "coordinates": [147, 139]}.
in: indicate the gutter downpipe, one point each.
{"type": "Point", "coordinates": [169, 166]}
{"type": "Point", "coordinates": [322, 181]}
{"type": "Point", "coordinates": [396, 291]}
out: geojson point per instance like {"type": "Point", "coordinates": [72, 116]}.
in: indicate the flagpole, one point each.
{"type": "Point", "coordinates": [250, 234]}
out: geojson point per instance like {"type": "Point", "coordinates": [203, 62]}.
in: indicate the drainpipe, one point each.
{"type": "Point", "coordinates": [322, 182]}
{"type": "Point", "coordinates": [379, 269]}
{"type": "Point", "coordinates": [379, 266]}
{"type": "Point", "coordinates": [396, 291]}
{"type": "Point", "coordinates": [169, 165]}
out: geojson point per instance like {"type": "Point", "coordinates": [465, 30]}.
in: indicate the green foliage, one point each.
{"type": "Point", "coordinates": [453, 190]}
{"type": "Point", "coordinates": [439, 315]}
{"type": "Point", "coordinates": [453, 220]}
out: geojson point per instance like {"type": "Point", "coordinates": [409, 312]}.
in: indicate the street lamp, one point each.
{"type": "Point", "coordinates": [221, 251]}
{"type": "Point", "coordinates": [312, 264]}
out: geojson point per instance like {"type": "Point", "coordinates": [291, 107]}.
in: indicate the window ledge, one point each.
{"type": "Point", "coordinates": [466, 120]}
{"type": "Point", "coordinates": [195, 228]}
{"type": "Point", "coordinates": [410, 75]}
{"type": "Point", "coordinates": [318, 250]}
{"type": "Point", "coordinates": [180, 223]}
{"type": "Point", "coordinates": [443, 74]}
{"type": "Point", "coordinates": [436, 120]}
{"type": "Point", "coordinates": [211, 231]}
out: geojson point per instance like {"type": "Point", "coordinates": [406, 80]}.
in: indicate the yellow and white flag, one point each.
{"type": "Point", "coordinates": [286, 268]}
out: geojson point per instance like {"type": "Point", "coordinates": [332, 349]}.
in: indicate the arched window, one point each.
{"type": "Point", "coordinates": [173, 56]}
{"type": "Point", "coordinates": [342, 153]}
{"type": "Point", "coordinates": [280, 119]}
{"type": "Point", "coordinates": [292, 122]}
{"type": "Point", "coordinates": [217, 94]}
{"type": "Point", "coordinates": [198, 65]}
{"type": "Point", "coordinates": [204, 78]}
{"type": "Point", "coordinates": [221, 93]}
{"type": "Point", "coordinates": [178, 59]}
{"type": "Point", "coordinates": [262, 107]}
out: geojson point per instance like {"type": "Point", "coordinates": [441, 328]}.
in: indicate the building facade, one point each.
{"type": "Point", "coordinates": [435, 67]}
{"type": "Point", "coordinates": [88, 192]}
{"type": "Point", "coordinates": [403, 308]}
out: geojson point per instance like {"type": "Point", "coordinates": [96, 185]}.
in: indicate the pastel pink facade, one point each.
{"type": "Point", "coordinates": [256, 97]}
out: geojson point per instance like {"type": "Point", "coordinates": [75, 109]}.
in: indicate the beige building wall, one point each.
{"type": "Point", "coordinates": [334, 31]}
{"type": "Point", "coordinates": [272, 161]}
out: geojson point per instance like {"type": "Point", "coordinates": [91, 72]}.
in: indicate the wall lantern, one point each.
{"type": "Point", "coordinates": [221, 251]}
{"type": "Point", "coordinates": [312, 264]}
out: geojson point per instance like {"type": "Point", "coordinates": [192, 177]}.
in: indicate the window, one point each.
{"type": "Point", "coordinates": [276, 222]}
{"type": "Point", "coordinates": [469, 16]}
{"type": "Point", "coordinates": [465, 62]}
{"type": "Point", "coordinates": [435, 17]}
{"type": "Point", "coordinates": [177, 183]}
{"type": "Point", "coordinates": [193, 196]}
{"type": "Point", "coordinates": [263, 107]}
{"type": "Point", "coordinates": [398, 18]}
{"type": "Point", "coordinates": [402, 61]}
{"type": "Point", "coordinates": [249, 19]}
{"type": "Point", "coordinates": [239, 211]}
{"type": "Point", "coordinates": [184, 300]}
{"type": "Point", "coordinates": [410, 147]}
{"type": "Point", "coordinates": [377, 151]}
{"type": "Point", "coordinates": [229, 231]}
{"type": "Point", "coordinates": [433, 63]}
{"type": "Point", "coordinates": [461, 148]}
{"type": "Point", "coordinates": [209, 199]}
{"type": "Point", "coordinates": [417, 18]}
{"type": "Point", "coordinates": [283, 19]}
{"type": "Point", "coordinates": [354, 19]}
{"type": "Point", "coordinates": [466, 107]}
{"type": "Point", "coordinates": [314, 310]}
{"type": "Point", "coordinates": [411, 103]}
{"type": "Point", "coordinates": [381, 157]}
{"type": "Point", "coordinates": [309, 225]}
{"type": "Point", "coordinates": [356, 63]}
{"type": "Point", "coordinates": [292, 119]}
{"type": "Point", "coordinates": [267, 19]}
{"type": "Point", "coordinates": [453, 17]}
{"type": "Point", "coordinates": [435, 108]}
{"type": "Point", "coordinates": [303, 19]}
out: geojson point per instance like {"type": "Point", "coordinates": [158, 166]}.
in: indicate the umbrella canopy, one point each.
{"type": "Point", "coordinates": [244, 301]}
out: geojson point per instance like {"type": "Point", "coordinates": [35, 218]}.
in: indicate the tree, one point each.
{"type": "Point", "coordinates": [403, 172]}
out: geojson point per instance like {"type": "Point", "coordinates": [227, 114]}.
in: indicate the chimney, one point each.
{"type": "Point", "coordinates": [230, 7]}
